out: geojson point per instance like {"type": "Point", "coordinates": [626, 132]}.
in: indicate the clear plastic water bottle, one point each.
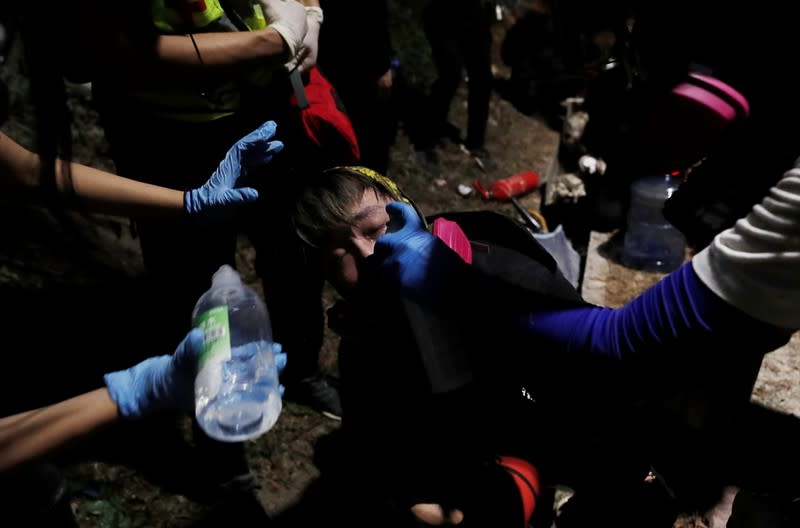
{"type": "Point", "coordinates": [236, 388]}
{"type": "Point", "coordinates": [651, 242]}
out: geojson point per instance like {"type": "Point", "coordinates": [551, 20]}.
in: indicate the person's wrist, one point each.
{"type": "Point", "coordinates": [131, 389]}
{"type": "Point", "coordinates": [289, 36]}
{"type": "Point", "coordinates": [190, 202]}
{"type": "Point", "coordinates": [273, 45]}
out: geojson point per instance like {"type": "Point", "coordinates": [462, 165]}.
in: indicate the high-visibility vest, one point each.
{"type": "Point", "coordinates": [212, 100]}
{"type": "Point", "coordinates": [181, 16]}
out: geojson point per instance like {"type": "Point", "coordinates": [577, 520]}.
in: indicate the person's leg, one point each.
{"type": "Point", "coordinates": [293, 293]}
{"type": "Point", "coordinates": [376, 129]}
{"type": "Point", "coordinates": [372, 117]}
{"type": "Point", "coordinates": [476, 42]}
{"type": "Point", "coordinates": [292, 282]}
{"type": "Point", "coordinates": [181, 254]}
{"type": "Point", "coordinates": [440, 28]}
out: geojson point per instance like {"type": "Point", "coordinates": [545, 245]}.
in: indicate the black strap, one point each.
{"type": "Point", "coordinates": [233, 15]}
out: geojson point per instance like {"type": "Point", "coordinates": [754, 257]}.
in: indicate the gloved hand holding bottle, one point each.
{"type": "Point", "coordinates": [220, 193]}
{"type": "Point", "coordinates": [164, 383]}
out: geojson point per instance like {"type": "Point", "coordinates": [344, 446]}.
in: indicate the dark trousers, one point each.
{"type": "Point", "coordinates": [373, 119]}
{"type": "Point", "coordinates": [460, 38]}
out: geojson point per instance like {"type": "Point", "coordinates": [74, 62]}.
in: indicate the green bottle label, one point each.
{"type": "Point", "coordinates": [217, 337]}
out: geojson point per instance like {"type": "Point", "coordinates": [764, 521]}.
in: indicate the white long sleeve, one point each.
{"type": "Point", "coordinates": [755, 265]}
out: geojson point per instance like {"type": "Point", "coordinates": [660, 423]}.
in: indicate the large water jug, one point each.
{"type": "Point", "coordinates": [651, 242]}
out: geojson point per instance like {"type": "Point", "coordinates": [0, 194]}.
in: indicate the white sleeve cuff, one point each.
{"type": "Point", "coordinates": [755, 265]}
{"type": "Point", "coordinates": [315, 13]}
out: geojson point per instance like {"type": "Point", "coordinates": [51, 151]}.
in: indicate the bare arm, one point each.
{"type": "Point", "coordinates": [104, 192]}
{"type": "Point", "coordinates": [30, 434]}
{"type": "Point", "coordinates": [242, 49]}
{"type": "Point", "coordinates": [157, 384]}
{"type": "Point", "coordinates": [95, 189]}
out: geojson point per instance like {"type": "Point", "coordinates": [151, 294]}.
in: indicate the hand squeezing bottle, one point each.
{"type": "Point", "coordinates": [236, 388]}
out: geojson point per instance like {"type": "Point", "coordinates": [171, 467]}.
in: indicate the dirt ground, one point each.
{"type": "Point", "coordinates": [145, 488]}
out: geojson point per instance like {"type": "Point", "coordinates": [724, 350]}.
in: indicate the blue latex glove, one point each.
{"type": "Point", "coordinates": [414, 261]}
{"type": "Point", "coordinates": [246, 352]}
{"type": "Point", "coordinates": [158, 383]}
{"type": "Point", "coordinates": [166, 382]}
{"type": "Point", "coordinates": [280, 363]}
{"type": "Point", "coordinates": [219, 194]}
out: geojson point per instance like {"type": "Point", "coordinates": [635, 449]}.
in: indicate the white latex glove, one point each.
{"type": "Point", "coordinates": [288, 18]}
{"type": "Point", "coordinates": [307, 56]}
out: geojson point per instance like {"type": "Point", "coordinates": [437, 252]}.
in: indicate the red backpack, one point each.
{"type": "Point", "coordinates": [321, 117]}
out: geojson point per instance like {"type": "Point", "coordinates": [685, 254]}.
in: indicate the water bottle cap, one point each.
{"type": "Point", "coordinates": [655, 189]}
{"type": "Point", "coordinates": [226, 275]}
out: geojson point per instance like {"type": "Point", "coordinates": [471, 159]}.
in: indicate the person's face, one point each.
{"type": "Point", "coordinates": [350, 244]}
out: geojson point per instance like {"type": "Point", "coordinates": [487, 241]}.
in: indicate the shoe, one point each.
{"type": "Point", "coordinates": [319, 393]}
{"type": "Point", "coordinates": [428, 159]}
{"type": "Point", "coordinates": [480, 156]}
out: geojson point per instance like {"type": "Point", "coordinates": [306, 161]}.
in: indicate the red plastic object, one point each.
{"type": "Point", "coordinates": [526, 477]}
{"type": "Point", "coordinates": [507, 188]}
{"type": "Point", "coordinates": [452, 235]}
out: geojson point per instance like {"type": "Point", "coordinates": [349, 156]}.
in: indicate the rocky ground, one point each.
{"type": "Point", "coordinates": [42, 254]}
